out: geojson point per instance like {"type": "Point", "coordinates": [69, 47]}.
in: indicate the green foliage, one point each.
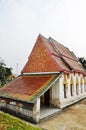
{"type": "Point", "coordinates": [2, 72]}
{"type": "Point", "coordinates": [83, 61]}
{"type": "Point", "coordinates": [8, 72]}
{"type": "Point", "coordinates": [5, 72]}
{"type": "Point", "coordinates": [8, 122]}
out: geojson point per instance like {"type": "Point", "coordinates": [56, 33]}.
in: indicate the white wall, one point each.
{"type": "Point", "coordinates": [75, 97]}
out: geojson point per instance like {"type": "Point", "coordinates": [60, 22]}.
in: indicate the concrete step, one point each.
{"type": "Point", "coordinates": [47, 112]}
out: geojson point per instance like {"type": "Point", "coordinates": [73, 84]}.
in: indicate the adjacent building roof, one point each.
{"type": "Point", "coordinates": [48, 55]}
{"type": "Point", "coordinates": [28, 88]}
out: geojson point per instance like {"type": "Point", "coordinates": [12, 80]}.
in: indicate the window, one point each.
{"type": "Point", "coordinates": [65, 93]}
{"type": "Point", "coordinates": [71, 89]}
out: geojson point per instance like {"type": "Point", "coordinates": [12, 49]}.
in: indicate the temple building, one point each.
{"type": "Point", "coordinates": [53, 77]}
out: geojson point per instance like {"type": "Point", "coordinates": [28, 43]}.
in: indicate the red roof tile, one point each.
{"type": "Point", "coordinates": [68, 57]}
{"type": "Point", "coordinates": [26, 87]}
{"type": "Point", "coordinates": [41, 60]}
{"type": "Point", "coordinates": [49, 45]}
{"type": "Point", "coordinates": [55, 55]}
{"type": "Point", "coordinates": [74, 64]}
{"type": "Point", "coordinates": [61, 63]}
{"type": "Point", "coordinates": [63, 50]}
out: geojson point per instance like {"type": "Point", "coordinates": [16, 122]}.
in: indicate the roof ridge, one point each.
{"type": "Point", "coordinates": [73, 58]}
{"type": "Point", "coordinates": [58, 42]}
{"type": "Point", "coordinates": [60, 52]}
{"type": "Point", "coordinates": [51, 41]}
{"type": "Point", "coordinates": [53, 44]}
{"type": "Point", "coordinates": [42, 36]}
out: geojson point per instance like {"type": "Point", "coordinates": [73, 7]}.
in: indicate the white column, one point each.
{"type": "Point", "coordinates": [82, 85]}
{"type": "Point", "coordinates": [74, 86]}
{"type": "Point", "coordinates": [85, 88]}
{"type": "Point", "coordinates": [68, 94]}
{"type": "Point", "coordinates": [79, 85]}
{"type": "Point", "coordinates": [36, 111]}
{"type": "Point", "coordinates": [74, 89]}
{"type": "Point", "coordinates": [61, 89]}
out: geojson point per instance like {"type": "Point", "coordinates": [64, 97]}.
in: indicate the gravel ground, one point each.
{"type": "Point", "coordinates": [71, 118]}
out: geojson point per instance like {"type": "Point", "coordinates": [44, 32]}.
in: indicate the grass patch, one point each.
{"type": "Point", "coordinates": [8, 122]}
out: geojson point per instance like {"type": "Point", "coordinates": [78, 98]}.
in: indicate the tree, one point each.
{"type": "Point", "coordinates": [4, 72]}
{"type": "Point", "coordinates": [83, 61]}
{"type": "Point", "coordinates": [8, 71]}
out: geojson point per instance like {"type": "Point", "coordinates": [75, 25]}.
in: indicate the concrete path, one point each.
{"type": "Point", "coordinates": [70, 118]}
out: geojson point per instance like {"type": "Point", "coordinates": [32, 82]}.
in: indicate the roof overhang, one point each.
{"type": "Point", "coordinates": [33, 90]}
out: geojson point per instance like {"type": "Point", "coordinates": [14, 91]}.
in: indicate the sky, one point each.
{"type": "Point", "coordinates": [21, 21]}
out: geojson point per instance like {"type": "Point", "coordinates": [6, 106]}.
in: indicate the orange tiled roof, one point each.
{"type": "Point", "coordinates": [41, 60]}
{"type": "Point", "coordinates": [68, 56]}
{"type": "Point", "coordinates": [55, 55]}
{"type": "Point", "coordinates": [25, 88]}
{"type": "Point", "coordinates": [50, 56]}
{"type": "Point", "coordinates": [61, 63]}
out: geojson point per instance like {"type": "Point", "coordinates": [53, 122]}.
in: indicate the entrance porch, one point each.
{"type": "Point", "coordinates": [48, 112]}
{"type": "Point", "coordinates": [48, 105]}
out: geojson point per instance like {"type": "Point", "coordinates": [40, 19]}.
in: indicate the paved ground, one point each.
{"type": "Point", "coordinates": [71, 118]}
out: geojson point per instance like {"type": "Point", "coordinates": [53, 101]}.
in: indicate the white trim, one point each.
{"type": "Point", "coordinates": [38, 73]}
